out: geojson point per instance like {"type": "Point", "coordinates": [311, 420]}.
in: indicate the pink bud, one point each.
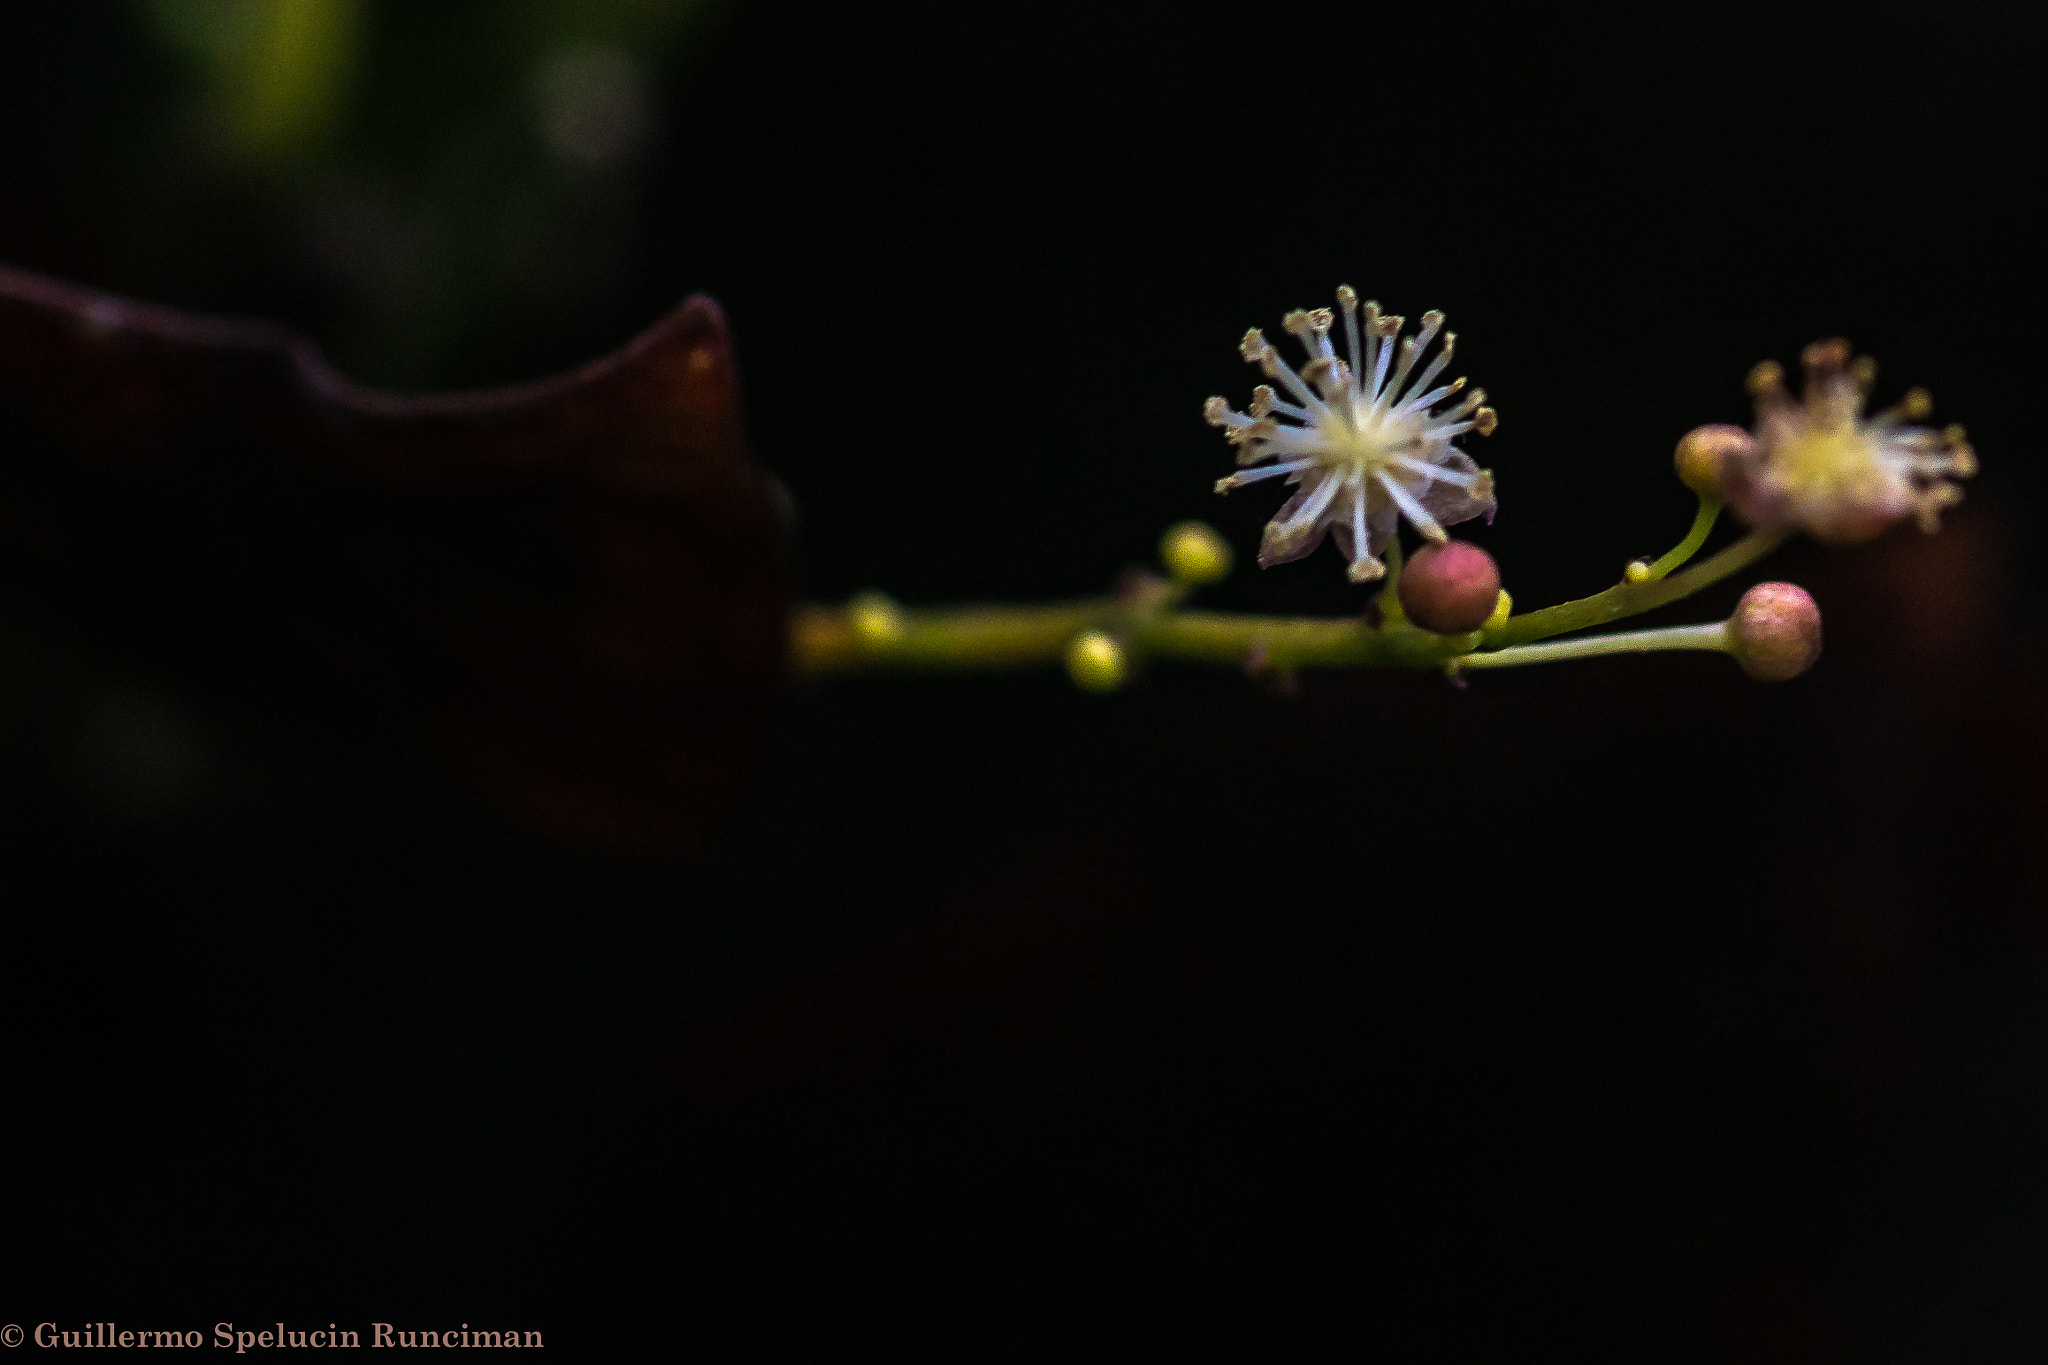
{"type": "Point", "coordinates": [1450, 587]}
{"type": "Point", "coordinates": [1775, 631]}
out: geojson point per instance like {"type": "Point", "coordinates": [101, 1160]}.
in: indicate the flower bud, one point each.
{"type": "Point", "coordinates": [1450, 587]}
{"type": "Point", "coordinates": [1194, 553]}
{"type": "Point", "coordinates": [1775, 632]}
{"type": "Point", "coordinates": [1096, 662]}
{"type": "Point", "coordinates": [1707, 455]}
{"type": "Point", "coordinates": [876, 620]}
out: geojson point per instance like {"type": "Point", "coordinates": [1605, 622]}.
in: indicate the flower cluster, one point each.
{"type": "Point", "coordinates": [1817, 464]}
{"type": "Point", "coordinates": [1367, 437]}
{"type": "Point", "coordinates": [1363, 436]}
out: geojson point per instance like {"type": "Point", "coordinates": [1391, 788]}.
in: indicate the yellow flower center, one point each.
{"type": "Point", "coordinates": [1368, 448]}
{"type": "Point", "coordinates": [1830, 460]}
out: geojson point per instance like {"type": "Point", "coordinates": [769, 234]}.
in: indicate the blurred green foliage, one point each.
{"type": "Point", "coordinates": [274, 72]}
{"type": "Point", "coordinates": [430, 185]}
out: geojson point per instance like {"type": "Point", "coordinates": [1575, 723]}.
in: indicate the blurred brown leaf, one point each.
{"type": "Point", "coordinates": [578, 586]}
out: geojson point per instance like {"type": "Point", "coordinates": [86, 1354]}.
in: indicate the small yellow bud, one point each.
{"type": "Point", "coordinates": [876, 620]}
{"type": "Point", "coordinates": [1096, 662]}
{"type": "Point", "coordinates": [1638, 571]}
{"type": "Point", "coordinates": [1194, 553]}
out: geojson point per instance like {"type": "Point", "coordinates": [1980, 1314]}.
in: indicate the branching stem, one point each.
{"type": "Point", "coordinates": [1632, 599]}
{"type": "Point", "coordinates": [1151, 624]}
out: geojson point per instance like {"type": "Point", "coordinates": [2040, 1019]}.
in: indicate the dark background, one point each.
{"type": "Point", "coordinates": [1629, 1009]}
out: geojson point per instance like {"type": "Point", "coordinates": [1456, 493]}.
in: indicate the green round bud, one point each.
{"type": "Point", "coordinates": [1450, 587]}
{"type": "Point", "coordinates": [1775, 631]}
{"type": "Point", "coordinates": [1194, 553]}
{"type": "Point", "coordinates": [1707, 455]}
{"type": "Point", "coordinates": [1096, 662]}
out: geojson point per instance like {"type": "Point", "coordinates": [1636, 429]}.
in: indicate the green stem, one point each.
{"type": "Point", "coordinates": [1631, 599]}
{"type": "Point", "coordinates": [1712, 635]}
{"type": "Point", "coordinates": [828, 640]}
{"type": "Point", "coordinates": [1154, 626]}
{"type": "Point", "coordinates": [1702, 523]}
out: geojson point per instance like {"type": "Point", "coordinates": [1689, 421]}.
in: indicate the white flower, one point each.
{"type": "Point", "coordinates": [1818, 465]}
{"type": "Point", "coordinates": [1362, 437]}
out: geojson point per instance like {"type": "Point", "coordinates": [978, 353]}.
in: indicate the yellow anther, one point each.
{"type": "Point", "coordinates": [1325, 372]}
{"type": "Point", "coordinates": [1365, 570]}
{"type": "Point", "coordinates": [1826, 357]}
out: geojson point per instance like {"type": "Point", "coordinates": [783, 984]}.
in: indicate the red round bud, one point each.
{"type": "Point", "coordinates": [1775, 632]}
{"type": "Point", "coordinates": [1708, 455]}
{"type": "Point", "coordinates": [1450, 587]}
